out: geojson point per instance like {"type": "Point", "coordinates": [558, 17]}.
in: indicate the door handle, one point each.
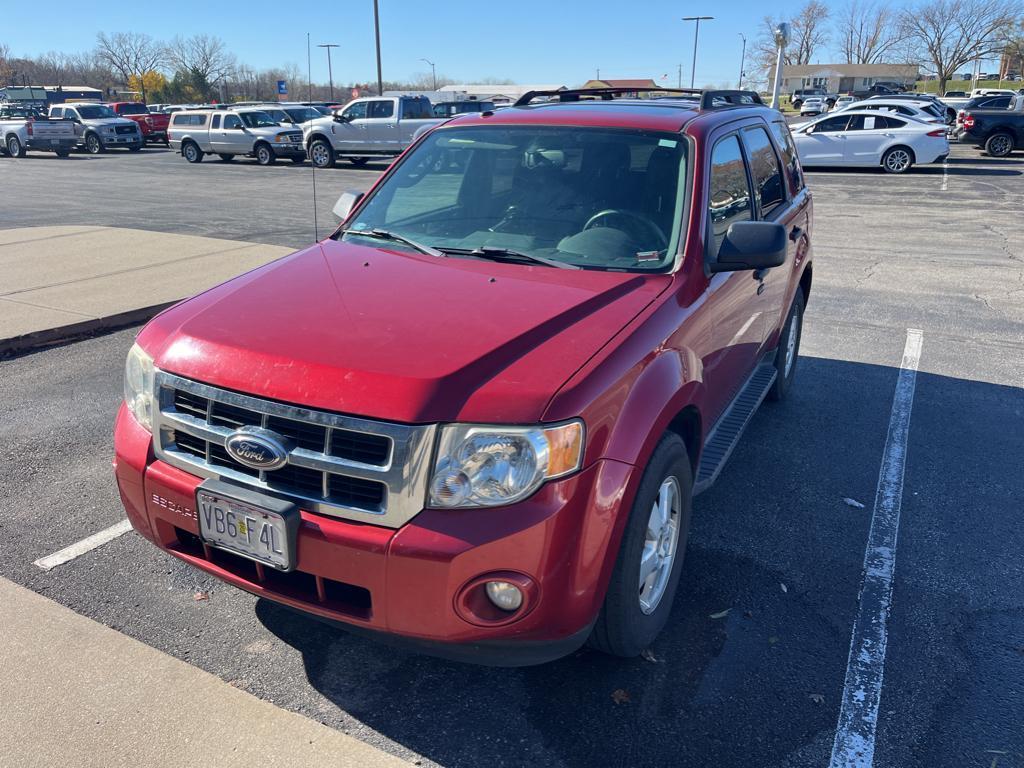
{"type": "Point", "coordinates": [795, 234]}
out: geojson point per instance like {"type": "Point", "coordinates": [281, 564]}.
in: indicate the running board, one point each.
{"type": "Point", "coordinates": [729, 429]}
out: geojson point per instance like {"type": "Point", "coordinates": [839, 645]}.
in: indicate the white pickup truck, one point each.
{"type": "Point", "coordinates": [24, 129]}
{"type": "Point", "coordinates": [374, 127]}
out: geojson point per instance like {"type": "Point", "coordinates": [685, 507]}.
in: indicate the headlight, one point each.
{"type": "Point", "coordinates": [281, 137]}
{"type": "Point", "coordinates": [109, 129]}
{"type": "Point", "coordinates": [138, 386]}
{"type": "Point", "coordinates": [489, 466]}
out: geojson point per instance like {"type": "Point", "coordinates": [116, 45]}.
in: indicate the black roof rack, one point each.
{"type": "Point", "coordinates": [709, 99]}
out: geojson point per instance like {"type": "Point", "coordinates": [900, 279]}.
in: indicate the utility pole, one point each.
{"type": "Point", "coordinates": [598, 73]}
{"type": "Point", "coordinates": [696, 33]}
{"type": "Point", "coordinates": [376, 31]}
{"type": "Point", "coordinates": [330, 73]}
{"type": "Point", "coordinates": [743, 60]}
{"type": "Point", "coordinates": [433, 72]}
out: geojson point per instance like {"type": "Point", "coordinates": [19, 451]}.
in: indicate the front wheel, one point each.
{"type": "Point", "coordinates": [298, 159]}
{"type": "Point", "coordinates": [788, 350]}
{"type": "Point", "coordinates": [999, 145]}
{"type": "Point", "coordinates": [897, 160]}
{"type": "Point", "coordinates": [643, 583]}
{"type": "Point", "coordinates": [14, 147]}
{"type": "Point", "coordinates": [265, 155]}
{"type": "Point", "coordinates": [136, 147]}
{"type": "Point", "coordinates": [321, 154]}
{"type": "Point", "coordinates": [93, 145]}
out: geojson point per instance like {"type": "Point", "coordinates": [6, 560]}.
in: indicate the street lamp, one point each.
{"type": "Point", "coordinates": [433, 72]}
{"type": "Point", "coordinates": [376, 32]}
{"type": "Point", "coordinates": [330, 73]}
{"type": "Point", "coordinates": [696, 32]}
{"type": "Point", "coordinates": [781, 35]}
{"type": "Point", "coordinates": [743, 60]}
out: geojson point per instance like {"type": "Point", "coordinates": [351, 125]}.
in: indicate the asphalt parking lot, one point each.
{"type": "Point", "coordinates": [751, 669]}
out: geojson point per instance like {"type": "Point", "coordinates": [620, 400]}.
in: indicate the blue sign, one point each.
{"type": "Point", "coordinates": [282, 87]}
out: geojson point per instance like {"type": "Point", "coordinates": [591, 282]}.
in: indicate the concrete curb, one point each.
{"type": "Point", "coordinates": [32, 342]}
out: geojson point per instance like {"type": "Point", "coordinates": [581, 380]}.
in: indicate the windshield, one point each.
{"type": "Point", "coordinates": [595, 198]}
{"type": "Point", "coordinates": [134, 109]}
{"type": "Point", "coordinates": [302, 114]}
{"type": "Point", "coordinates": [257, 120]}
{"type": "Point", "coordinates": [95, 112]}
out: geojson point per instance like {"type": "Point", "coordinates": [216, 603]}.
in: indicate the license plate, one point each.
{"type": "Point", "coordinates": [54, 142]}
{"type": "Point", "coordinates": [258, 527]}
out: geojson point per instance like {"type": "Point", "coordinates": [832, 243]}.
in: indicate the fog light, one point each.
{"type": "Point", "coordinates": [506, 596]}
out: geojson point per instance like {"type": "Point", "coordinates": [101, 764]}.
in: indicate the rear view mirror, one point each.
{"type": "Point", "coordinates": [348, 200]}
{"type": "Point", "coordinates": [751, 245]}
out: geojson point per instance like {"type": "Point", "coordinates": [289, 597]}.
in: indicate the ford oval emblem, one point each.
{"type": "Point", "coordinates": [257, 448]}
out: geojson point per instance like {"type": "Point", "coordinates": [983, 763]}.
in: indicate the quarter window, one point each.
{"type": "Point", "coordinates": [764, 167]}
{"type": "Point", "coordinates": [729, 190]}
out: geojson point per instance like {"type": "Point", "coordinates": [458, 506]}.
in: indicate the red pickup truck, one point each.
{"type": "Point", "coordinates": [473, 419]}
{"type": "Point", "coordinates": [152, 124]}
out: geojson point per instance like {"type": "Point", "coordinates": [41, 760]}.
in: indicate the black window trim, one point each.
{"type": "Point", "coordinates": [786, 200]}
{"type": "Point", "coordinates": [709, 226]}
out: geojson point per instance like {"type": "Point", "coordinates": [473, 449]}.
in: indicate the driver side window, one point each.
{"type": "Point", "coordinates": [728, 190]}
{"type": "Point", "coordinates": [232, 121]}
{"type": "Point", "coordinates": [356, 111]}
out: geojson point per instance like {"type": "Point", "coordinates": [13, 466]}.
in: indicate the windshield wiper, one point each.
{"type": "Point", "coordinates": [495, 253]}
{"type": "Point", "coordinates": [383, 234]}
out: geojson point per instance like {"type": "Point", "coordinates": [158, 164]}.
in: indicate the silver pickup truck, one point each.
{"type": "Point", "coordinates": [230, 132]}
{"type": "Point", "coordinates": [25, 129]}
{"type": "Point", "coordinates": [375, 127]}
{"type": "Point", "coordinates": [101, 127]}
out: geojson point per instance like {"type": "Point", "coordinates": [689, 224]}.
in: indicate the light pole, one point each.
{"type": "Point", "coordinates": [743, 60]}
{"type": "Point", "coordinates": [781, 35]}
{"type": "Point", "coordinates": [376, 32]}
{"type": "Point", "coordinates": [433, 72]}
{"type": "Point", "coordinates": [696, 33]}
{"type": "Point", "coordinates": [330, 73]}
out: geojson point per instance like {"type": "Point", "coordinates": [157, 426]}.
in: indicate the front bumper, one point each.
{"type": "Point", "coordinates": [408, 584]}
{"type": "Point", "coordinates": [121, 140]}
{"type": "Point", "coordinates": [288, 149]}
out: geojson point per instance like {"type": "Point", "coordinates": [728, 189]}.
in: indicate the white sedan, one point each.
{"type": "Point", "coordinates": [919, 110]}
{"type": "Point", "coordinates": [869, 138]}
{"type": "Point", "coordinates": [813, 105]}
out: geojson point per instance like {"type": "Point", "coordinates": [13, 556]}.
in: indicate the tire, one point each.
{"type": "Point", "coordinates": [63, 152]}
{"type": "Point", "coordinates": [797, 103]}
{"type": "Point", "coordinates": [626, 626]}
{"type": "Point", "coordinates": [298, 159]}
{"type": "Point", "coordinates": [265, 154]}
{"type": "Point", "coordinates": [999, 145]}
{"type": "Point", "coordinates": [14, 147]}
{"type": "Point", "coordinates": [359, 162]}
{"type": "Point", "coordinates": [191, 152]}
{"type": "Point", "coordinates": [226, 157]}
{"type": "Point", "coordinates": [321, 154]}
{"type": "Point", "coordinates": [788, 351]}
{"type": "Point", "coordinates": [93, 144]}
{"type": "Point", "coordinates": [897, 160]}
{"type": "Point", "coordinates": [136, 147]}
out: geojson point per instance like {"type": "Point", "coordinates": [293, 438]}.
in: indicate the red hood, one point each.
{"type": "Point", "coordinates": [399, 336]}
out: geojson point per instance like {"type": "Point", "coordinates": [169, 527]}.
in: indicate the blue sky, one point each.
{"type": "Point", "coordinates": [528, 41]}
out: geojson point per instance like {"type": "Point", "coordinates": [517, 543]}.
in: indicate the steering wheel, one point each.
{"type": "Point", "coordinates": [631, 219]}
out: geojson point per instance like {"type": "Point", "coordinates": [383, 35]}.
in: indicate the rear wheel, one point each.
{"type": "Point", "coordinates": [14, 147]}
{"type": "Point", "coordinates": [265, 155]}
{"type": "Point", "coordinates": [93, 145]}
{"type": "Point", "coordinates": [359, 162]}
{"type": "Point", "coordinates": [897, 160]}
{"type": "Point", "coordinates": [321, 154]}
{"type": "Point", "coordinates": [788, 349]}
{"type": "Point", "coordinates": [63, 152]}
{"type": "Point", "coordinates": [643, 584]}
{"type": "Point", "coordinates": [227, 158]}
{"type": "Point", "coordinates": [999, 145]}
{"type": "Point", "coordinates": [191, 152]}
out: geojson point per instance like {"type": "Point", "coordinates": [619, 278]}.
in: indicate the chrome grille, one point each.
{"type": "Point", "coordinates": [339, 465]}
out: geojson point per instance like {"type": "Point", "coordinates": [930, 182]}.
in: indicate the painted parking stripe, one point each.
{"type": "Point", "coordinates": [854, 745]}
{"type": "Point", "coordinates": [85, 545]}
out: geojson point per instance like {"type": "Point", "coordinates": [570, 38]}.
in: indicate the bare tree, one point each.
{"type": "Point", "coordinates": [6, 69]}
{"type": "Point", "coordinates": [952, 33]}
{"type": "Point", "coordinates": [1015, 49]}
{"type": "Point", "coordinates": [204, 57]}
{"type": "Point", "coordinates": [808, 34]}
{"type": "Point", "coordinates": [867, 32]}
{"type": "Point", "coordinates": [131, 53]}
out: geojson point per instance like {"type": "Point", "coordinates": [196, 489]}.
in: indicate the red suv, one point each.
{"type": "Point", "coordinates": [473, 418]}
{"type": "Point", "coordinates": [152, 124]}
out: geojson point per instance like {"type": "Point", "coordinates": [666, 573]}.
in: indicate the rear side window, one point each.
{"type": "Point", "coordinates": [764, 168]}
{"type": "Point", "coordinates": [182, 119]}
{"type": "Point", "coordinates": [381, 109]}
{"type": "Point", "coordinates": [728, 190]}
{"type": "Point", "coordinates": [415, 109]}
{"type": "Point", "coordinates": [884, 121]}
{"type": "Point", "coordinates": [789, 157]}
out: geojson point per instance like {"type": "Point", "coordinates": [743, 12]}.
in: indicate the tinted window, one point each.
{"type": "Point", "coordinates": [415, 109]}
{"type": "Point", "coordinates": [96, 112]}
{"type": "Point", "coordinates": [883, 121]}
{"type": "Point", "coordinates": [381, 109]}
{"type": "Point", "coordinates": [789, 156]}
{"type": "Point", "coordinates": [729, 192]}
{"type": "Point", "coordinates": [232, 122]}
{"type": "Point", "coordinates": [356, 111]}
{"type": "Point", "coordinates": [132, 109]}
{"type": "Point", "coordinates": [216, 122]}
{"type": "Point", "coordinates": [837, 123]}
{"type": "Point", "coordinates": [764, 167]}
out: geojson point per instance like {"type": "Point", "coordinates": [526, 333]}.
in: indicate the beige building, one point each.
{"type": "Point", "coordinates": [840, 78]}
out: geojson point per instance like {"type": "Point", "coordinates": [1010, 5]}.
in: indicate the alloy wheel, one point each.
{"type": "Point", "coordinates": [661, 540]}
{"type": "Point", "coordinates": [794, 332]}
{"type": "Point", "coordinates": [898, 160]}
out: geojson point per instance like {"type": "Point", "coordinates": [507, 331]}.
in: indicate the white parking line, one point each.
{"type": "Point", "coordinates": [85, 545]}
{"type": "Point", "coordinates": [945, 174]}
{"type": "Point", "coordinates": [854, 745]}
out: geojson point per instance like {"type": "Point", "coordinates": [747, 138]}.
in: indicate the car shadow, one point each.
{"type": "Point", "coordinates": [749, 669]}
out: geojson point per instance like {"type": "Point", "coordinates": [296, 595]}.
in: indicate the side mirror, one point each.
{"type": "Point", "coordinates": [346, 203]}
{"type": "Point", "coordinates": [340, 118]}
{"type": "Point", "coordinates": [751, 245]}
